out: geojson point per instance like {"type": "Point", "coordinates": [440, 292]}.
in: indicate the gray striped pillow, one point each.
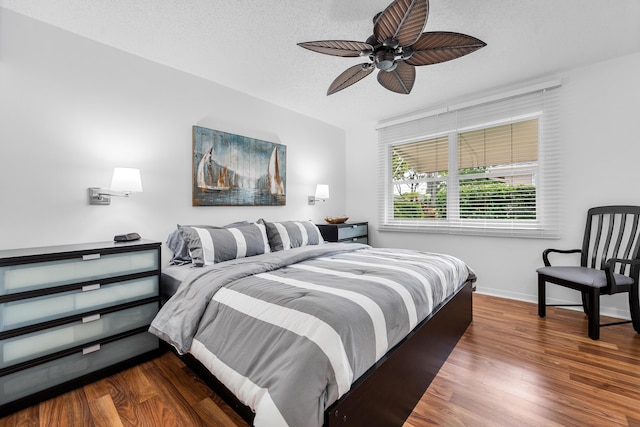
{"type": "Point", "coordinates": [292, 234]}
{"type": "Point", "coordinates": [210, 245]}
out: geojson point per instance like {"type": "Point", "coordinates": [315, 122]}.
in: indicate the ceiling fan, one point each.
{"type": "Point", "coordinates": [396, 47]}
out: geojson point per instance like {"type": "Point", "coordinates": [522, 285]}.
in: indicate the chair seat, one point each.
{"type": "Point", "coordinates": [583, 275]}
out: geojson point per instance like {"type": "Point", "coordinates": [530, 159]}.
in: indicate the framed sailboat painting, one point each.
{"type": "Point", "coordinates": [234, 170]}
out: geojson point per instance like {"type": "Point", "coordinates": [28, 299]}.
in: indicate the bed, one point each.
{"type": "Point", "coordinates": [292, 331]}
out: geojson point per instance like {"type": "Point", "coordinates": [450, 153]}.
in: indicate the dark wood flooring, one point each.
{"type": "Point", "coordinates": [510, 368]}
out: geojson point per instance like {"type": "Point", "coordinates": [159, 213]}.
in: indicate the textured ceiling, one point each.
{"type": "Point", "coordinates": [251, 45]}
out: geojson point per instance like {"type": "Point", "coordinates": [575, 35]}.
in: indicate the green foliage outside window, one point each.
{"type": "Point", "coordinates": [478, 200]}
{"type": "Point", "coordinates": [405, 207]}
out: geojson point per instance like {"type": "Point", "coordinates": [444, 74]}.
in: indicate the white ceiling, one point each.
{"type": "Point", "coordinates": [251, 45]}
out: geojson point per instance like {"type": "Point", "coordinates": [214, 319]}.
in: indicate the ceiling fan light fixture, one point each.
{"type": "Point", "coordinates": [385, 60]}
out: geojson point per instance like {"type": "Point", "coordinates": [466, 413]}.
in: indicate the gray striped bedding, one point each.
{"type": "Point", "coordinates": [288, 332]}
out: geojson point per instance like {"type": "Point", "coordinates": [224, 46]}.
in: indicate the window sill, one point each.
{"type": "Point", "coordinates": [529, 231]}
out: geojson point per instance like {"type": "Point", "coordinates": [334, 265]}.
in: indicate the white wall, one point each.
{"type": "Point", "coordinates": [600, 107]}
{"type": "Point", "coordinates": [72, 109]}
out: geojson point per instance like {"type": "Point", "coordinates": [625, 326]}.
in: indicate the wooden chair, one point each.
{"type": "Point", "coordinates": [611, 240]}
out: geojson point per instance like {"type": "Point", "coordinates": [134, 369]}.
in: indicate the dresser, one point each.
{"type": "Point", "coordinates": [72, 314]}
{"type": "Point", "coordinates": [357, 232]}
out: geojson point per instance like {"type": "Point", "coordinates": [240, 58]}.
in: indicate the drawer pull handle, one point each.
{"type": "Point", "coordinates": [91, 318]}
{"type": "Point", "coordinates": [90, 256]}
{"type": "Point", "coordinates": [93, 287]}
{"type": "Point", "coordinates": [91, 349]}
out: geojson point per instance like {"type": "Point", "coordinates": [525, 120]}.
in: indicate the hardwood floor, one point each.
{"type": "Point", "coordinates": [510, 368]}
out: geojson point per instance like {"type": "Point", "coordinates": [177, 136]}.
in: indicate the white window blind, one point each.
{"type": "Point", "coordinates": [489, 168]}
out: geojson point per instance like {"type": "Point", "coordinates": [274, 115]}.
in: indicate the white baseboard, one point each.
{"type": "Point", "coordinates": [604, 310]}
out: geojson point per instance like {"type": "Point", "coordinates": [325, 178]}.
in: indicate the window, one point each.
{"type": "Point", "coordinates": [490, 168]}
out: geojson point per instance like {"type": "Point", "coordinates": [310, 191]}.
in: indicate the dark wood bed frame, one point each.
{"type": "Point", "coordinates": [386, 394]}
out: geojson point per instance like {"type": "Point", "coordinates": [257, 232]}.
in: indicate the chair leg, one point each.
{"type": "Point", "coordinates": [594, 313]}
{"type": "Point", "coordinates": [542, 299]}
{"type": "Point", "coordinates": [585, 303]}
{"type": "Point", "coordinates": [634, 307]}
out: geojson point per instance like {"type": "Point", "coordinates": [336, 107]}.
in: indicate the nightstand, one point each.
{"type": "Point", "coordinates": [72, 314]}
{"type": "Point", "coordinates": [357, 232]}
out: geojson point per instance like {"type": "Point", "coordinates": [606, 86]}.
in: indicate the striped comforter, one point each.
{"type": "Point", "coordinates": [290, 331]}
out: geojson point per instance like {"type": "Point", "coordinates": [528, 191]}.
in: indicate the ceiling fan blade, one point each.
{"type": "Point", "coordinates": [441, 46]}
{"type": "Point", "coordinates": [350, 76]}
{"type": "Point", "coordinates": [343, 48]}
{"type": "Point", "coordinates": [399, 80]}
{"type": "Point", "coordinates": [402, 20]}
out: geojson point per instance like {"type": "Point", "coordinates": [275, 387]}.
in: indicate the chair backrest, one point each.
{"type": "Point", "coordinates": [611, 232]}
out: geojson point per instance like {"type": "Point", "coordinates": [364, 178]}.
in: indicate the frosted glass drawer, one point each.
{"type": "Point", "coordinates": [92, 297]}
{"type": "Point", "coordinates": [24, 277]}
{"type": "Point", "coordinates": [41, 377]}
{"type": "Point", "coordinates": [356, 240]}
{"type": "Point", "coordinates": [91, 328]}
{"type": "Point", "coordinates": [352, 231]}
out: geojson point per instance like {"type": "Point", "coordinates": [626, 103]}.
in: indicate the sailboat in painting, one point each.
{"type": "Point", "coordinates": [206, 176]}
{"type": "Point", "coordinates": [276, 185]}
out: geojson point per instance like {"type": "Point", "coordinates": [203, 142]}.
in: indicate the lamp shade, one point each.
{"type": "Point", "coordinates": [322, 191]}
{"type": "Point", "coordinates": [126, 179]}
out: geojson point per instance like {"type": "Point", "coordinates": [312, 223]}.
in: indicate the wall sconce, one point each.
{"type": "Point", "coordinates": [322, 194]}
{"type": "Point", "coordinates": [123, 183]}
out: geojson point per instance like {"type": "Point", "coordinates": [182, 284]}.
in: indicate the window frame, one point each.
{"type": "Point", "coordinates": [540, 104]}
